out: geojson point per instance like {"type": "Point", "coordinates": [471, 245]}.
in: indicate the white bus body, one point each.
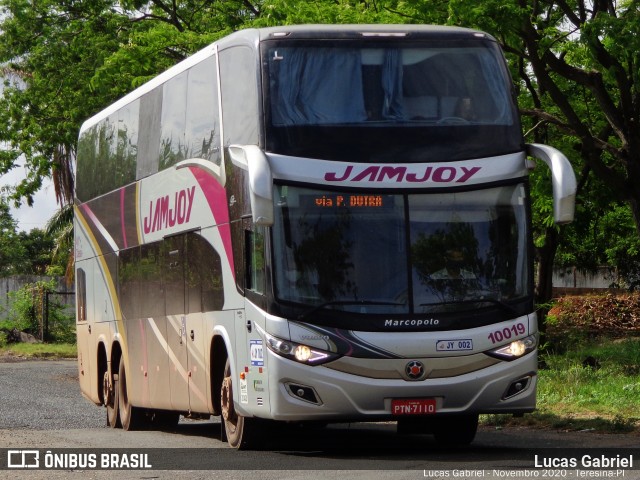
{"type": "Point", "coordinates": [312, 223]}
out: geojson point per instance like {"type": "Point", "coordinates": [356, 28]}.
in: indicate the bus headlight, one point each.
{"type": "Point", "coordinates": [515, 349]}
{"type": "Point", "coordinates": [299, 352]}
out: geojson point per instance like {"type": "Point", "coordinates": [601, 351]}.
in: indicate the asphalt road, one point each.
{"type": "Point", "coordinates": [41, 408]}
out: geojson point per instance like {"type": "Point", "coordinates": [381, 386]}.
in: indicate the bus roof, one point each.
{"type": "Point", "coordinates": [364, 30]}
{"type": "Point", "coordinates": [253, 36]}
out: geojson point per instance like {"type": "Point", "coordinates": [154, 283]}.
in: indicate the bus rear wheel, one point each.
{"type": "Point", "coordinates": [238, 431]}
{"type": "Point", "coordinates": [110, 393]}
{"type": "Point", "coordinates": [131, 417]}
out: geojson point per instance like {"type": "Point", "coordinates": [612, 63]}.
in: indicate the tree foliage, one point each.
{"type": "Point", "coordinates": [25, 253]}
{"type": "Point", "coordinates": [578, 62]}
{"type": "Point", "coordinates": [12, 253]}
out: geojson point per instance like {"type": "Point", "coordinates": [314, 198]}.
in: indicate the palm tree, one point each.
{"type": "Point", "coordinates": [62, 175]}
{"type": "Point", "coordinates": [60, 226]}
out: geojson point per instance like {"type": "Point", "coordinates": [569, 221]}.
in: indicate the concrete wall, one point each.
{"type": "Point", "coordinates": [16, 282]}
{"type": "Point", "coordinates": [604, 277]}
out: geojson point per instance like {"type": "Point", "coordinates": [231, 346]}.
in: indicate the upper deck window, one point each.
{"type": "Point", "coordinates": [316, 86]}
{"type": "Point", "coordinates": [392, 102]}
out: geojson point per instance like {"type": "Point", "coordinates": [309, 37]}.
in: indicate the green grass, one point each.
{"type": "Point", "coordinates": [40, 350]}
{"type": "Point", "coordinates": [577, 397]}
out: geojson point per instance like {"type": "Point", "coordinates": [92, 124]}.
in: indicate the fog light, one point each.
{"type": "Point", "coordinates": [516, 387]}
{"type": "Point", "coordinates": [303, 392]}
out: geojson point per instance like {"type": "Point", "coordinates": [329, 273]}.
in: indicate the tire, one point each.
{"type": "Point", "coordinates": [456, 431]}
{"type": "Point", "coordinates": [131, 417]}
{"type": "Point", "coordinates": [111, 400]}
{"type": "Point", "coordinates": [240, 432]}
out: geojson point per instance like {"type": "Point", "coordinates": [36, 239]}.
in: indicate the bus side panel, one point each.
{"type": "Point", "coordinates": [102, 324]}
{"type": "Point", "coordinates": [222, 325]}
{"type": "Point", "coordinates": [252, 359]}
{"type": "Point", "coordinates": [93, 309]}
{"type": "Point", "coordinates": [178, 369]}
{"type": "Point", "coordinates": [167, 354]}
{"type": "Point", "coordinates": [137, 382]}
{"type": "Point", "coordinates": [157, 363]}
{"type": "Point", "coordinates": [87, 359]}
{"type": "Point", "coordinates": [199, 399]}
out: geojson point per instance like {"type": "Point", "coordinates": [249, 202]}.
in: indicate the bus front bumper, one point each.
{"type": "Point", "coordinates": [300, 392]}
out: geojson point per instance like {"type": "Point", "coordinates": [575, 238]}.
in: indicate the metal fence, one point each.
{"type": "Point", "coordinates": [52, 312]}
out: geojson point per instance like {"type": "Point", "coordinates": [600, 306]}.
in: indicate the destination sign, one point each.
{"type": "Point", "coordinates": [341, 200]}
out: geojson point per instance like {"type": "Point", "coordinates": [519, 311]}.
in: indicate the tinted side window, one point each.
{"type": "Point", "coordinates": [202, 135]}
{"type": "Point", "coordinates": [126, 145]}
{"type": "Point", "coordinates": [205, 272]}
{"type": "Point", "coordinates": [150, 288]}
{"type": "Point", "coordinates": [173, 274]}
{"type": "Point", "coordinates": [172, 123]}
{"type": "Point", "coordinates": [129, 282]}
{"type": "Point", "coordinates": [81, 294]}
{"type": "Point", "coordinates": [238, 77]}
{"type": "Point", "coordinates": [255, 259]}
{"type": "Point", "coordinates": [149, 128]}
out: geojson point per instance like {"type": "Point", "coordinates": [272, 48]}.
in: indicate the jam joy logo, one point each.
{"type": "Point", "coordinates": [380, 173]}
{"type": "Point", "coordinates": [169, 210]}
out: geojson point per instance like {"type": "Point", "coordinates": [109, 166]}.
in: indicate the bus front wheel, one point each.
{"type": "Point", "coordinates": [237, 430]}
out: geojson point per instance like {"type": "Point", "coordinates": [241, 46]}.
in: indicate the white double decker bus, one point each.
{"type": "Point", "coordinates": [313, 224]}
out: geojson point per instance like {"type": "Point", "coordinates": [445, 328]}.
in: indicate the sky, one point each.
{"type": "Point", "coordinates": [44, 202]}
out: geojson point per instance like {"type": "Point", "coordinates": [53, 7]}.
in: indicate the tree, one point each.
{"type": "Point", "coordinates": [576, 64]}
{"type": "Point", "coordinates": [51, 49]}
{"type": "Point", "coordinates": [603, 234]}
{"type": "Point", "coordinates": [12, 253]}
{"type": "Point", "coordinates": [22, 253]}
{"type": "Point", "coordinates": [37, 246]}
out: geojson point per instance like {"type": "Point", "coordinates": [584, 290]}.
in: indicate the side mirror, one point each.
{"type": "Point", "coordinates": [252, 159]}
{"type": "Point", "coordinates": [563, 179]}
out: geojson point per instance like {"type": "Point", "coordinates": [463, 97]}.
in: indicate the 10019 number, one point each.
{"type": "Point", "coordinates": [507, 333]}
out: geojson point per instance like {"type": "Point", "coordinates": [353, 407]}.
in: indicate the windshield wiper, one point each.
{"type": "Point", "coordinates": [313, 310]}
{"type": "Point", "coordinates": [494, 301]}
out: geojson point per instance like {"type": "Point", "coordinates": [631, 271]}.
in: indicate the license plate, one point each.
{"type": "Point", "coordinates": [418, 406]}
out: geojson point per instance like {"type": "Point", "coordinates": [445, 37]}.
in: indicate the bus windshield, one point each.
{"type": "Point", "coordinates": [401, 253]}
{"type": "Point", "coordinates": [324, 99]}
